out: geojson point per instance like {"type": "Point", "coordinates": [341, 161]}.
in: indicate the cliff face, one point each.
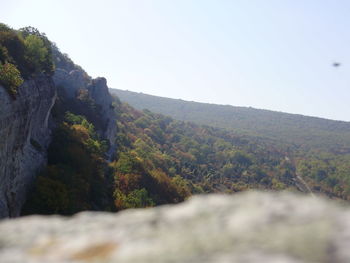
{"type": "Point", "coordinates": [247, 227]}
{"type": "Point", "coordinates": [98, 91]}
{"type": "Point", "coordinates": [25, 132]}
{"type": "Point", "coordinates": [24, 139]}
{"type": "Point", "coordinates": [75, 81]}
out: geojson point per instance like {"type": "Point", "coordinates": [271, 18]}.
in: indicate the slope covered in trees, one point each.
{"type": "Point", "coordinates": [296, 130]}
{"type": "Point", "coordinates": [209, 159]}
{"type": "Point", "coordinates": [159, 160]}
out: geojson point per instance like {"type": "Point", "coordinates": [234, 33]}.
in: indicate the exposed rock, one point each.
{"type": "Point", "coordinates": [99, 92]}
{"type": "Point", "coordinates": [75, 80]}
{"type": "Point", "coordinates": [246, 227]}
{"type": "Point", "coordinates": [24, 138]}
{"type": "Point", "coordinates": [71, 81]}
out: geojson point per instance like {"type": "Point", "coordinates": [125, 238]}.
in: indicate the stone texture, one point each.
{"type": "Point", "coordinates": [245, 227]}
{"type": "Point", "coordinates": [24, 131]}
{"type": "Point", "coordinates": [24, 138]}
{"type": "Point", "coordinates": [99, 92]}
{"type": "Point", "coordinates": [75, 80]}
{"type": "Point", "coordinates": [71, 81]}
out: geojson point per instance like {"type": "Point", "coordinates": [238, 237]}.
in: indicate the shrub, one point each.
{"type": "Point", "coordinates": [10, 78]}
{"type": "Point", "coordinates": [4, 56]}
{"type": "Point", "coordinates": [136, 199]}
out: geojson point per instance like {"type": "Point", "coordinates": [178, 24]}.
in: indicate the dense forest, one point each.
{"type": "Point", "coordinates": [317, 149]}
{"type": "Point", "coordinates": [217, 160]}
{"type": "Point", "coordinates": [297, 131]}
{"type": "Point", "coordinates": [158, 159]}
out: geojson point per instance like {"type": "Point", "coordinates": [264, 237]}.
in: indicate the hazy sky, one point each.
{"type": "Point", "coordinates": [270, 54]}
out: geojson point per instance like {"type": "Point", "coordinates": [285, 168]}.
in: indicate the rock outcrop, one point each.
{"type": "Point", "coordinates": [245, 227]}
{"type": "Point", "coordinates": [99, 92]}
{"type": "Point", "coordinates": [25, 133]}
{"type": "Point", "coordinates": [76, 80]}
{"type": "Point", "coordinates": [24, 138]}
{"type": "Point", "coordinates": [71, 81]}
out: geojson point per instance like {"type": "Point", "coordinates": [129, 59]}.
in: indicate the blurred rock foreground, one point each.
{"type": "Point", "coordinates": [245, 227]}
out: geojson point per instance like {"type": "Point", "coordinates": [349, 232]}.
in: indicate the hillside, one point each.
{"type": "Point", "coordinates": [67, 145]}
{"type": "Point", "coordinates": [296, 130]}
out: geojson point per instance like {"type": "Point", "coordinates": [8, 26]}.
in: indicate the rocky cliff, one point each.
{"type": "Point", "coordinates": [99, 92]}
{"type": "Point", "coordinates": [24, 138]}
{"type": "Point", "coordinates": [245, 227]}
{"type": "Point", "coordinates": [31, 110]}
{"type": "Point", "coordinates": [24, 125]}
{"type": "Point", "coordinates": [74, 82]}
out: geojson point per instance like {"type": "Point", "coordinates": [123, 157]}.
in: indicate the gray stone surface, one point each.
{"type": "Point", "coordinates": [24, 131]}
{"type": "Point", "coordinates": [24, 138]}
{"type": "Point", "coordinates": [245, 227]}
{"type": "Point", "coordinates": [99, 92]}
{"type": "Point", "coordinates": [75, 80]}
{"type": "Point", "coordinates": [71, 81]}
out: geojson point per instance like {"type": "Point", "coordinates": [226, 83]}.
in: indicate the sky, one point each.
{"type": "Point", "coordinates": [266, 54]}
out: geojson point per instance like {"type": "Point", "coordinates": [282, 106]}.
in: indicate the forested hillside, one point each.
{"type": "Point", "coordinates": [159, 160]}
{"type": "Point", "coordinates": [296, 130]}
{"type": "Point", "coordinates": [107, 155]}
{"type": "Point", "coordinates": [209, 159]}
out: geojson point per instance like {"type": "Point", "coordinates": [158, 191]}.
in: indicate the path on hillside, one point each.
{"type": "Point", "coordinates": [299, 178]}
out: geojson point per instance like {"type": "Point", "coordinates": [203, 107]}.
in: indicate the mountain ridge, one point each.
{"type": "Point", "coordinates": [289, 127]}
{"type": "Point", "coordinates": [229, 105]}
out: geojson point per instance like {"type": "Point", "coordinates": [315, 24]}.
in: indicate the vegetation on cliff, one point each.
{"type": "Point", "coordinates": [23, 53]}
{"type": "Point", "coordinates": [76, 176]}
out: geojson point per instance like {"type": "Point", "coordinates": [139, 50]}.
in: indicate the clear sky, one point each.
{"type": "Point", "coordinates": [268, 54]}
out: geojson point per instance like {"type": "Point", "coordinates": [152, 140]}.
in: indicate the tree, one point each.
{"type": "Point", "coordinates": [35, 52]}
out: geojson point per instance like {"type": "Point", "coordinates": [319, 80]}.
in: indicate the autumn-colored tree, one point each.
{"type": "Point", "coordinates": [10, 78]}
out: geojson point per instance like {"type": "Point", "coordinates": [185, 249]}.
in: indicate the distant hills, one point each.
{"type": "Point", "coordinates": [296, 130]}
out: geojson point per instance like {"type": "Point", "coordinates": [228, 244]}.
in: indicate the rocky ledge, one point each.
{"type": "Point", "coordinates": [246, 227]}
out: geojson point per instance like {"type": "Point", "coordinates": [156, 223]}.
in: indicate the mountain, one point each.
{"type": "Point", "coordinates": [41, 89]}
{"type": "Point", "coordinates": [67, 145]}
{"type": "Point", "coordinates": [296, 130]}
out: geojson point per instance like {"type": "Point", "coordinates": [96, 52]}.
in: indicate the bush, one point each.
{"type": "Point", "coordinates": [10, 78]}
{"type": "Point", "coordinates": [4, 56]}
{"type": "Point", "coordinates": [136, 199]}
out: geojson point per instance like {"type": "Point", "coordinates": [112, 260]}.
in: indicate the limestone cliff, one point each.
{"type": "Point", "coordinates": [246, 227]}
{"type": "Point", "coordinates": [24, 138]}
{"type": "Point", "coordinates": [25, 131]}
{"type": "Point", "coordinates": [99, 92]}
{"type": "Point", "coordinates": [76, 81]}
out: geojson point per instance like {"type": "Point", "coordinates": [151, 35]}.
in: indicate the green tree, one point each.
{"type": "Point", "coordinates": [35, 52]}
